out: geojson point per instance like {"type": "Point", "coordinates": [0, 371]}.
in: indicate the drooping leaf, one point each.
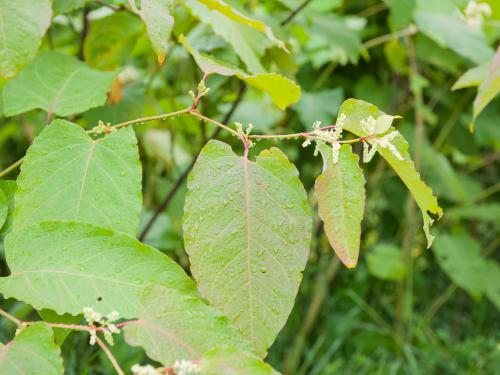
{"type": "Point", "coordinates": [247, 229]}
{"type": "Point", "coordinates": [460, 258]}
{"type": "Point", "coordinates": [228, 11]}
{"type": "Point", "coordinates": [282, 90]}
{"type": "Point", "coordinates": [490, 87]}
{"type": "Point", "coordinates": [472, 77]}
{"type": "Point", "coordinates": [23, 25]}
{"type": "Point", "coordinates": [340, 191]}
{"type": "Point", "coordinates": [173, 326]}
{"type": "Point", "coordinates": [32, 352]}
{"type": "Point", "coordinates": [385, 262]}
{"type": "Point", "coordinates": [159, 23]}
{"type": "Point", "coordinates": [452, 32]}
{"type": "Point", "coordinates": [67, 175]}
{"type": "Point", "coordinates": [357, 110]}
{"type": "Point", "coordinates": [7, 188]}
{"type": "Point", "coordinates": [248, 44]}
{"type": "Point", "coordinates": [110, 40]}
{"type": "Point", "coordinates": [92, 267]}
{"type": "Point", "coordinates": [58, 84]}
{"type": "Point", "coordinates": [226, 360]}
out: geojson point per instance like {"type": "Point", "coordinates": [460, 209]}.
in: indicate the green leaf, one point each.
{"type": "Point", "coordinates": [401, 12]}
{"type": "Point", "coordinates": [385, 262]}
{"type": "Point", "coordinates": [159, 23]}
{"type": "Point", "coordinates": [58, 84]}
{"type": "Point", "coordinates": [248, 44]}
{"type": "Point", "coordinates": [319, 106]}
{"type": "Point", "coordinates": [67, 175]}
{"type": "Point", "coordinates": [282, 90]}
{"type": "Point", "coordinates": [247, 230]}
{"type": "Point", "coordinates": [7, 188]}
{"type": "Point", "coordinates": [66, 6]}
{"type": "Point", "coordinates": [4, 208]}
{"type": "Point", "coordinates": [490, 87]}
{"type": "Point", "coordinates": [357, 110]}
{"type": "Point", "coordinates": [492, 285]}
{"type": "Point", "coordinates": [226, 360]}
{"type": "Point", "coordinates": [174, 326]}
{"type": "Point", "coordinates": [23, 27]}
{"type": "Point", "coordinates": [92, 267]}
{"type": "Point", "coordinates": [460, 258]}
{"type": "Point", "coordinates": [228, 11]}
{"type": "Point", "coordinates": [340, 191]}
{"type": "Point", "coordinates": [472, 77]}
{"type": "Point", "coordinates": [32, 352]}
{"type": "Point", "coordinates": [110, 40]}
{"type": "Point", "coordinates": [60, 334]}
{"type": "Point", "coordinates": [484, 212]}
{"type": "Point", "coordinates": [452, 32]}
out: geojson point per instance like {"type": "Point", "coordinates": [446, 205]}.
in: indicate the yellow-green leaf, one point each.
{"type": "Point", "coordinates": [283, 91]}
{"type": "Point", "coordinates": [357, 110]}
{"type": "Point", "coordinates": [340, 191]}
{"type": "Point", "coordinates": [33, 352]}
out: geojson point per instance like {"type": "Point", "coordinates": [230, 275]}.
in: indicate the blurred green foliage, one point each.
{"type": "Point", "coordinates": [404, 309]}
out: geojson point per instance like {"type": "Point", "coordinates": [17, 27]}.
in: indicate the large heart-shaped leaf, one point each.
{"type": "Point", "coordinates": [91, 267]}
{"type": "Point", "coordinates": [247, 229]}
{"type": "Point", "coordinates": [23, 25]}
{"type": "Point", "coordinates": [67, 175]}
{"type": "Point", "coordinates": [340, 191]}
{"type": "Point", "coordinates": [58, 84]}
{"type": "Point", "coordinates": [33, 351]}
{"type": "Point", "coordinates": [174, 326]}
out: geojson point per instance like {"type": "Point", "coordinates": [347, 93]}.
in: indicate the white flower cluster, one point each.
{"type": "Point", "coordinates": [184, 367]}
{"type": "Point", "coordinates": [105, 324]}
{"type": "Point", "coordinates": [145, 370]}
{"type": "Point", "coordinates": [322, 136]}
{"type": "Point", "coordinates": [245, 133]}
{"type": "Point", "coordinates": [474, 14]}
{"type": "Point", "coordinates": [368, 127]}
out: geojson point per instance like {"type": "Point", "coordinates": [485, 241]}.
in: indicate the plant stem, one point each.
{"type": "Point", "coordinates": [294, 13]}
{"type": "Point", "coordinates": [410, 30]}
{"type": "Point", "coordinates": [110, 355]}
{"type": "Point", "coordinates": [10, 317]}
{"type": "Point", "coordinates": [11, 167]}
{"type": "Point", "coordinates": [150, 118]}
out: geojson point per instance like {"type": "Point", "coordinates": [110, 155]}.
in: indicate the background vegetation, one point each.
{"type": "Point", "coordinates": [404, 309]}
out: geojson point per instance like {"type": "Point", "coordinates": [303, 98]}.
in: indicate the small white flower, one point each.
{"type": "Point", "coordinates": [184, 367]}
{"type": "Point", "coordinates": [144, 370]}
{"type": "Point", "coordinates": [368, 125]}
{"type": "Point", "coordinates": [474, 14]}
{"type": "Point", "coordinates": [93, 337]}
{"type": "Point", "coordinates": [113, 316]}
{"type": "Point", "coordinates": [92, 316]}
{"type": "Point", "coordinates": [386, 143]}
{"type": "Point", "coordinates": [367, 152]}
{"type": "Point", "coordinates": [335, 152]}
